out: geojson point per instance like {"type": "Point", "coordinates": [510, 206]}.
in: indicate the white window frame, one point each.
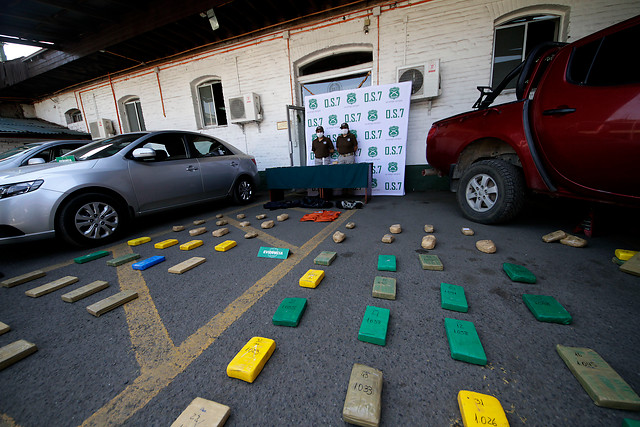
{"type": "Point", "coordinates": [210, 83]}
{"type": "Point", "coordinates": [561, 13]}
{"type": "Point", "coordinates": [138, 118]}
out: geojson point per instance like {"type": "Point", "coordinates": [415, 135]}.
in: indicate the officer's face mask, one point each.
{"type": "Point", "coordinates": [320, 134]}
{"type": "Point", "coordinates": [344, 131]}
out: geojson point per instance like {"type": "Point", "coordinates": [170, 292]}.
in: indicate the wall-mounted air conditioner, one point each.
{"type": "Point", "coordinates": [245, 108]}
{"type": "Point", "coordinates": [424, 78]}
{"type": "Point", "coordinates": [101, 128]}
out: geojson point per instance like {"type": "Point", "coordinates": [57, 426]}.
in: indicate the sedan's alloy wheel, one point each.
{"type": "Point", "coordinates": [96, 220]}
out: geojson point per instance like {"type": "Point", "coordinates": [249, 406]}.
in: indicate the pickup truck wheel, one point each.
{"type": "Point", "coordinates": [491, 191]}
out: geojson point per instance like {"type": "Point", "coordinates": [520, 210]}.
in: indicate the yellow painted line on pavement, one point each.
{"type": "Point", "coordinates": [154, 379]}
{"type": "Point", "coordinates": [263, 235]}
{"type": "Point", "coordinates": [149, 336]}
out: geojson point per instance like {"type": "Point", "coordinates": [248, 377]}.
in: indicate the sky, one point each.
{"type": "Point", "coordinates": [13, 51]}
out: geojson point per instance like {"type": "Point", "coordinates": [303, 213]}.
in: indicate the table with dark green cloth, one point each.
{"type": "Point", "coordinates": [356, 175]}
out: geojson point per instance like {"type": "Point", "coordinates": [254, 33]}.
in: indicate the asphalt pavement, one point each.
{"type": "Point", "coordinates": [143, 363]}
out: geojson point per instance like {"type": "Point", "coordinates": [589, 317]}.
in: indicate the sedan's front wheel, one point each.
{"type": "Point", "coordinates": [91, 220]}
{"type": "Point", "coordinates": [491, 191]}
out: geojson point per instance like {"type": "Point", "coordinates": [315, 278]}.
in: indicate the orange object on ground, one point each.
{"type": "Point", "coordinates": [321, 216]}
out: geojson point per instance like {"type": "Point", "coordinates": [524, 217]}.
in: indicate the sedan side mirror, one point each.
{"type": "Point", "coordinates": [144, 153]}
{"type": "Point", "coordinates": [36, 161]}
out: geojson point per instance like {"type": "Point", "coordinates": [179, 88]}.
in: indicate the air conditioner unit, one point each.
{"type": "Point", "coordinates": [424, 78]}
{"type": "Point", "coordinates": [101, 128]}
{"type": "Point", "coordinates": [245, 108]}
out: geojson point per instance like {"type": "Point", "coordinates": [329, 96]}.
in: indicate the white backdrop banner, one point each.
{"type": "Point", "coordinates": [379, 117]}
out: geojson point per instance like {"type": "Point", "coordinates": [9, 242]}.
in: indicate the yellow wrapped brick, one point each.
{"type": "Point", "coordinates": [225, 246]}
{"type": "Point", "coordinates": [312, 278]}
{"type": "Point", "coordinates": [248, 363]}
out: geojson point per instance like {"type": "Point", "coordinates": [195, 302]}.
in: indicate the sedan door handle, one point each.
{"type": "Point", "coordinates": [234, 164]}
{"type": "Point", "coordinates": [191, 168]}
{"type": "Point", "coordinates": [557, 111]}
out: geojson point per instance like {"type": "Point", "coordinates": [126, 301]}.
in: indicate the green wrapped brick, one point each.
{"type": "Point", "coordinates": [430, 262]}
{"type": "Point", "coordinates": [627, 422]}
{"type": "Point", "coordinates": [547, 309]}
{"type": "Point", "coordinates": [600, 381]}
{"type": "Point", "coordinates": [289, 312]}
{"type": "Point", "coordinates": [452, 298]}
{"type": "Point", "coordinates": [325, 258]}
{"type": "Point", "coordinates": [384, 287]}
{"type": "Point", "coordinates": [387, 263]}
{"type": "Point", "coordinates": [464, 342]}
{"type": "Point", "coordinates": [122, 260]}
{"type": "Point", "coordinates": [374, 325]}
{"type": "Point", "coordinates": [518, 273]}
{"type": "Point", "coordinates": [91, 257]}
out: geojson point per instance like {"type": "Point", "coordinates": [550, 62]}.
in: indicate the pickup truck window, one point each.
{"type": "Point", "coordinates": [608, 61]}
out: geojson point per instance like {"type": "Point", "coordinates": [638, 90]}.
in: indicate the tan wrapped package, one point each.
{"type": "Point", "coordinates": [338, 236]}
{"type": "Point", "coordinates": [220, 232]}
{"type": "Point", "coordinates": [574, 241]}
{"type": "Point", "coordinates": [388, 238]}
{"type": "Point", "coordinates": [267, 224]}
{"type": "Point", "coordinates": [221, 222]}
{"type": "Point", "coordinates": [282, 217]}
{"type": "Point", "coordinates": [350, 225]}
{"type": "Point", "coordinates": [486, 246]}
{"type": "Point", "coordinates": [428, 228]}
{"type": "Point", "coordinates": [395, 229]}
{"type": "Point", "coordinates": [554, 237]}
{"type": "Point", "coordinates": [364, 396]}
{"type": "Point", "coordinates": [428, 242]}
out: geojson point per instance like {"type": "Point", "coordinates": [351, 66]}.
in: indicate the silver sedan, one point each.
{"type": "Point", "coordinates": [34, 153]}
{"type": "Point", "coordinates": [91, 198]}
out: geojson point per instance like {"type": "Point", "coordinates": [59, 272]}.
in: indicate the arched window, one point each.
{"type": "Point", "coordinates": [515, 38]}
{"type": "Point", "coordinates": [133, 115]}
{"type": "Point", "coordinates": [211, 104]}
{"type": "Point", "coordinates": [338, 68]}
{"type": "Point", "coordinates": [73, 116]}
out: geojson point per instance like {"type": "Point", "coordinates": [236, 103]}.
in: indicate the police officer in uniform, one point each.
{"type": "Point", "coordinates": [347, 145]}
{"type": "Point", "coordinates": [322, 148]}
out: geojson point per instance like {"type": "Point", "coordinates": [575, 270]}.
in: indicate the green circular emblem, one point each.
{"type": "Point", "coordinates": [333, 120]}
{"type": "Point", "coordinates": [394, 92]}
{"type": "Point", "coordinates": [394, 131]}
{"type": "Point", "coordinates": [372, 115]}
{"type": "Point", "coordinates": [313, 103]}
{"type": "Point", "coordinates": [351, 98]}
{"type": "Point", "coordinates": [373, 151]}
{"type": "Point", "coordinates": [393, 167]}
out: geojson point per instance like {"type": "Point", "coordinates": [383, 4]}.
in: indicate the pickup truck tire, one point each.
{"type": "Point", "coordinates": [491, 191]}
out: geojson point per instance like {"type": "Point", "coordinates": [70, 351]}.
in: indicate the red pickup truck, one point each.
{"type": "Point", "coordinates": [573, 130]}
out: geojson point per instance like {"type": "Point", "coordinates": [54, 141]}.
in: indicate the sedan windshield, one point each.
{"type": "Point", "coordinates": [17, 150]}
{"type": "Point", "coordinates": [105, 147]}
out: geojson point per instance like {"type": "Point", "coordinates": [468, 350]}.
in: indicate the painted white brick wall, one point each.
{"type": "Point", "coordinates": [458, 32]}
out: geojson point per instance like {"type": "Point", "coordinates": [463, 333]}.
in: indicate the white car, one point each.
{"type": "Point", "coordinates": [88, 201]}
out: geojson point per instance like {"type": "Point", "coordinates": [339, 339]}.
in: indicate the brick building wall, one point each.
{"type": "Point", "coordinates": [459, 33]}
